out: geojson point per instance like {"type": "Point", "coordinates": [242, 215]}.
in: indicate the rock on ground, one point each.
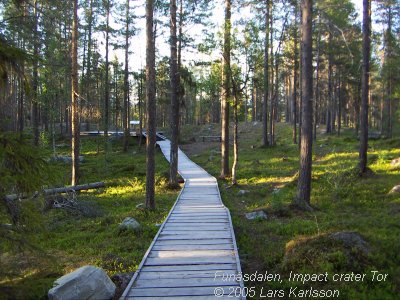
{"type": "Point", "coordinates": [395, 163]}
{"type": "Point", "coordinates": [85, 283]}
{"type": "Point", "coordinates": [395, 190]}
{"type": "Point", "coordinates": [260, 214]}
{"type": "Point", "coordinates": [242, 192]}
{"type": "Point", "coordinates": [129, 223]}
{"type": "Point", "coordinates": [351, 239]}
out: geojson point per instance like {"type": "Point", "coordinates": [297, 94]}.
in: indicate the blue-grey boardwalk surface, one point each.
{"type": "Point", "coordinates": [194, 246]}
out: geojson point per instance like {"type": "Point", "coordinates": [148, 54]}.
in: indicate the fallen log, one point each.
{"type": "Point", "coordinates": [75, 188]}
{"type": "Point", "coordinates": [52, 191]}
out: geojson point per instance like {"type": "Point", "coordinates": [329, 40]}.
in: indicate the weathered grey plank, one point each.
{"type": "Point", "coordinates": [185, 291]}
{"type": "Point", "coordinates": [189, 267]}
{"type": "Point", "coordinates": [227, 246]}
{"type": "Point", "coordinates": [197, 260]}
{"type": "Point", "coordinates": [194, 242]}
{"type": "Point", "coordinates": [190, 253]}
{"type": "Point", "coordinates": [187, 274]}
{"type": "Point", "coordinates": [195, 228]}
{"type": "Point", "coordinates": [182, 282]}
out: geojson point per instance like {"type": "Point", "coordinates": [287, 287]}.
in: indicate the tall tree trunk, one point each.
{"type": "Point", "coordinates": [235, 138]}
{"type": "Point", "coordinates": [74, 98]}
{"type": "Point", "coordinates": [317, 87]}
{"type": "Point", "coordinates": [274, 106]}
{"type": "Point", "coordinates": [357, 108]}
{"type": "Point", "coordinates": [271, 76]}
{"type": "Point", "coordinates": [365, 85]}
{"type": "Point", "coordinates": [140, 92]}
{"type": "Point", "coordinates": [387, 119]}
{"type": "Point", "coordinates": [151, 105]}
{"type": "Point", "coordinates": [174, 119]}
{"type": "Point", "coordinates": [339, 113]}
{"type": "Point", "coordinates": [329, 118]}
{"type": "Point", "coordinates": [21, 101]}
{"type": "Point", "coordinates": [301, 82]}
{"type": "Point", "coordinates": [287, 93]}
{"type": "Point", "coordinates": [107, 81]}
{"type": "Point", "coordinates": [125, 114]}
{"type": "Point", "coordinates": [295, 79]}
{"type": "Point", "coordinates": [302, 199]}
{"type": "Point", "coordinates": [88, 76]}
{"type": "Point", "coordinates": [225, 93]}
{"type": "Point", "coordinates": [253, 101]}
{"type": "Point", "coordinates": [35, 77]}
{"type": "Point", "coordinates": [266, 77]}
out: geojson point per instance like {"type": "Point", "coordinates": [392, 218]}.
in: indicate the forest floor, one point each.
{"type": "Point", "coordinates": [68, 239]}
{"type": "Point", "coordinates": [288, 240]}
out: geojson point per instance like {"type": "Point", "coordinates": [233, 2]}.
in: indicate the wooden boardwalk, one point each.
{"type": "Point", "coordinates": [194, 244]}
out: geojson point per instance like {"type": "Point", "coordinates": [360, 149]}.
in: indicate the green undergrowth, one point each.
{"type": "Point", "coordinates": [343, 201]}
{"type": "Point", "coordinates": [68, 239]}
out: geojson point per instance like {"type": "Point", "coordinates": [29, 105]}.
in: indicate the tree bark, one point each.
{"type": "Point", "coordinates": [74, 98]}
{"type": "Point", "coordinates": [225, 93]}
{"type": "Point", "coordinates": [174, 78]}
{"type": "Point", "coordinates": [365, 85]}
{"type": "Point", "coordinates": [125, 115]}
{"type": "Point", "coordinates": [266, 77]}
{"type": "Point", "coordinates": [339, 113]}
{"type": "Point", "coordinates": [317, 85]}
{"type": "Point", "coordinates": [106, 81]}
{"type": "Point", "coordinates": [151, 105]}
{"type": "Point", "coordinates": [235, 138]}
{"type": "Point", "coordinates": [302, 199]}
{"type": "Point", "coordinates": [59, 190]}
{"type": "Point", "coordinates": [295, 81]}
{"type": "Point", "coordinates": [35, 79]}
{"type": "Point", "coordinates": [88, 75]}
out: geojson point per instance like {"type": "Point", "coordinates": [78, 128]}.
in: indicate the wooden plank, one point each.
{"type": "Point", "coordinates": [185, 291]}
{"type": "Point", "coordinates": [193, 242]}
{"type": "Point", "coordinates": [186, 274]}
{"type": "Point", "coordinates": [206, 234]}
{"type": "Point", "coordinates": [192, 221]}
{"type": "Point", "coordinates": [189, 267]}
{"type": "Point", "coordinates": [199, 214]}
{"type": "Point", "coordinates": [180, 224]}
{"type": "Point", "coordinates": [201, 260]}
{"type": "Point", "coordinates": [200, 219]}
{"type": "Point", "coordinates": [183, 282]}
{"type": "Point", "coordinates": [191, 253]}
{"type": "Point", "coordinates": [215, 219]}
{"type": "Point", "coordinates": [196, 228]}
{"type": "Point", "coordinates": [194, 236]}
{"type": "Point", "coordinates": [227, 246]}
